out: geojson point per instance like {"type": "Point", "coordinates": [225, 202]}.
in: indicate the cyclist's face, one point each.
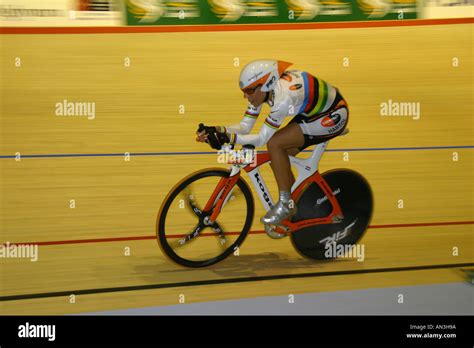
{"type": "Point", "coordinates": [255, 96]}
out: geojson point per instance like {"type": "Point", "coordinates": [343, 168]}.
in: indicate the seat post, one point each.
{"type": "Point", "coordinates": [308, 166]}
{"type": "Point", "coordinates": [317, 154]}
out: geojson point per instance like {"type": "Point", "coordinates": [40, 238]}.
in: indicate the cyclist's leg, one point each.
{"type": "Point", "coordinates": [281, 145]}
{"type": "Point", "coordinates": [293, 151]}
{"type": "Point", "coordinates": [301, 132]}
{"type": "Point", "coordinates": [283, 139]}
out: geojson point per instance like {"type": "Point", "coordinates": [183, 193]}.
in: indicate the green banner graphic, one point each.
{"type": "Point", "coordinates": [188, 12]}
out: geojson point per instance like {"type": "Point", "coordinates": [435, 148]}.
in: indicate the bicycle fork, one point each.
{"type": "Point", "coordinates": [221, 194]}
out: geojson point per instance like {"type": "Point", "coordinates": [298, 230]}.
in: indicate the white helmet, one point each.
{"type": "Point", "coordinates": [262, 72]}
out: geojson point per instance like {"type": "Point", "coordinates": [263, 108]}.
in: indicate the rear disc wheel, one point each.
{"type": "Point", "coordinates": [322, 242]}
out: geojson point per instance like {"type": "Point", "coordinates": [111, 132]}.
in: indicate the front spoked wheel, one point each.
{"type": "Point", "coordinates": [183, 230]}
{"type": "Point", "coordinates": [329, 241]}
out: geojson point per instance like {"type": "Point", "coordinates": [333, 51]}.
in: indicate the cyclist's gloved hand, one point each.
{"type": "Point", "coordinates": [214, 136]}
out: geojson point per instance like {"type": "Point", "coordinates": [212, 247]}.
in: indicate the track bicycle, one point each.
{"type": "Point", "coordinates": [207, 215]}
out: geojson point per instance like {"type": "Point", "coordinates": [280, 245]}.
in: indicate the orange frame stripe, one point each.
{"type": "Point", "coordinates": [220, 185]}
{"type": "Point", "coordinates": [260, 159]}
{"type": "Point", "coordinates": [227, 186]}
{"type": "Point", "coordinates": [296, 194]}
{"type": "Point", "coordinates": [231, 27]}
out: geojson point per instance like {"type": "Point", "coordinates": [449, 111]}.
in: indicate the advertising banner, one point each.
{"type": "Point", "coordinates": [175, 12]}
{"type": "Point", "coordinates": [40, 13]}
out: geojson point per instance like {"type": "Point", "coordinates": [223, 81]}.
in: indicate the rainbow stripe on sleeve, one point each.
{"type": "Point", "coordinates": [250, 114]}
{"type": "Point", "coordinates": [271, 124]}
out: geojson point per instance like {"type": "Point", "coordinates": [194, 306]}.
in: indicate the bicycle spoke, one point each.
{"type": "Point", "coordinates": [193, 205]}
{"type": "Point", "coordinates": [215, 226]}
{"type": "Point", "coordinates": [188, 237]}
{"type": "Point", "coordinates": [220, 232]}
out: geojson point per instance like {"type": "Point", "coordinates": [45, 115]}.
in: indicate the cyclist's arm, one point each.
{"type": "Point", "coordinates": [269, 127]}
{"type": "Point", "coordinates": [248, 121]}
{"type": "Point", "coordinates": [277, 114]}
{"type": "Point", "coordinates": [259, 139]}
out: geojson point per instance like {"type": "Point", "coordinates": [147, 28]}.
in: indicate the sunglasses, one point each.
{"type": "Point", "coordinates": [250, 91]}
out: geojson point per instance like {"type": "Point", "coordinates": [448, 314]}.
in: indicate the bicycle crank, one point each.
{"type": "Point", "coordinates": [272, 233]}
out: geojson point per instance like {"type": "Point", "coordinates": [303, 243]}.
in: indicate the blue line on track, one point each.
{"type": "Point", "coordinates": [121, 154]}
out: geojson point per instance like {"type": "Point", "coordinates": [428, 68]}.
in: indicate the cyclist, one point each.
{"type": "Point", "coordinates": [320, 113]}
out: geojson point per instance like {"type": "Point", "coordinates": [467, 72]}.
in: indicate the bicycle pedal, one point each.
{"type": "Point", "coordinates": [338, 218]}
{"type": "Point", "coordinates": [271, 231]}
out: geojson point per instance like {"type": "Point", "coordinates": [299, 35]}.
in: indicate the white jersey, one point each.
{"type": "Point", "coordinates": [296, 92]}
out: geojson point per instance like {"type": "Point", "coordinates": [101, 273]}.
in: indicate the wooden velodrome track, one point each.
{"type": "Point", "coordinates": [82, 251]}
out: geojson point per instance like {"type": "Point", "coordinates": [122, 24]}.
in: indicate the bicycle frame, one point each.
{"type": "Point", "coordinates": [307, 173]}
